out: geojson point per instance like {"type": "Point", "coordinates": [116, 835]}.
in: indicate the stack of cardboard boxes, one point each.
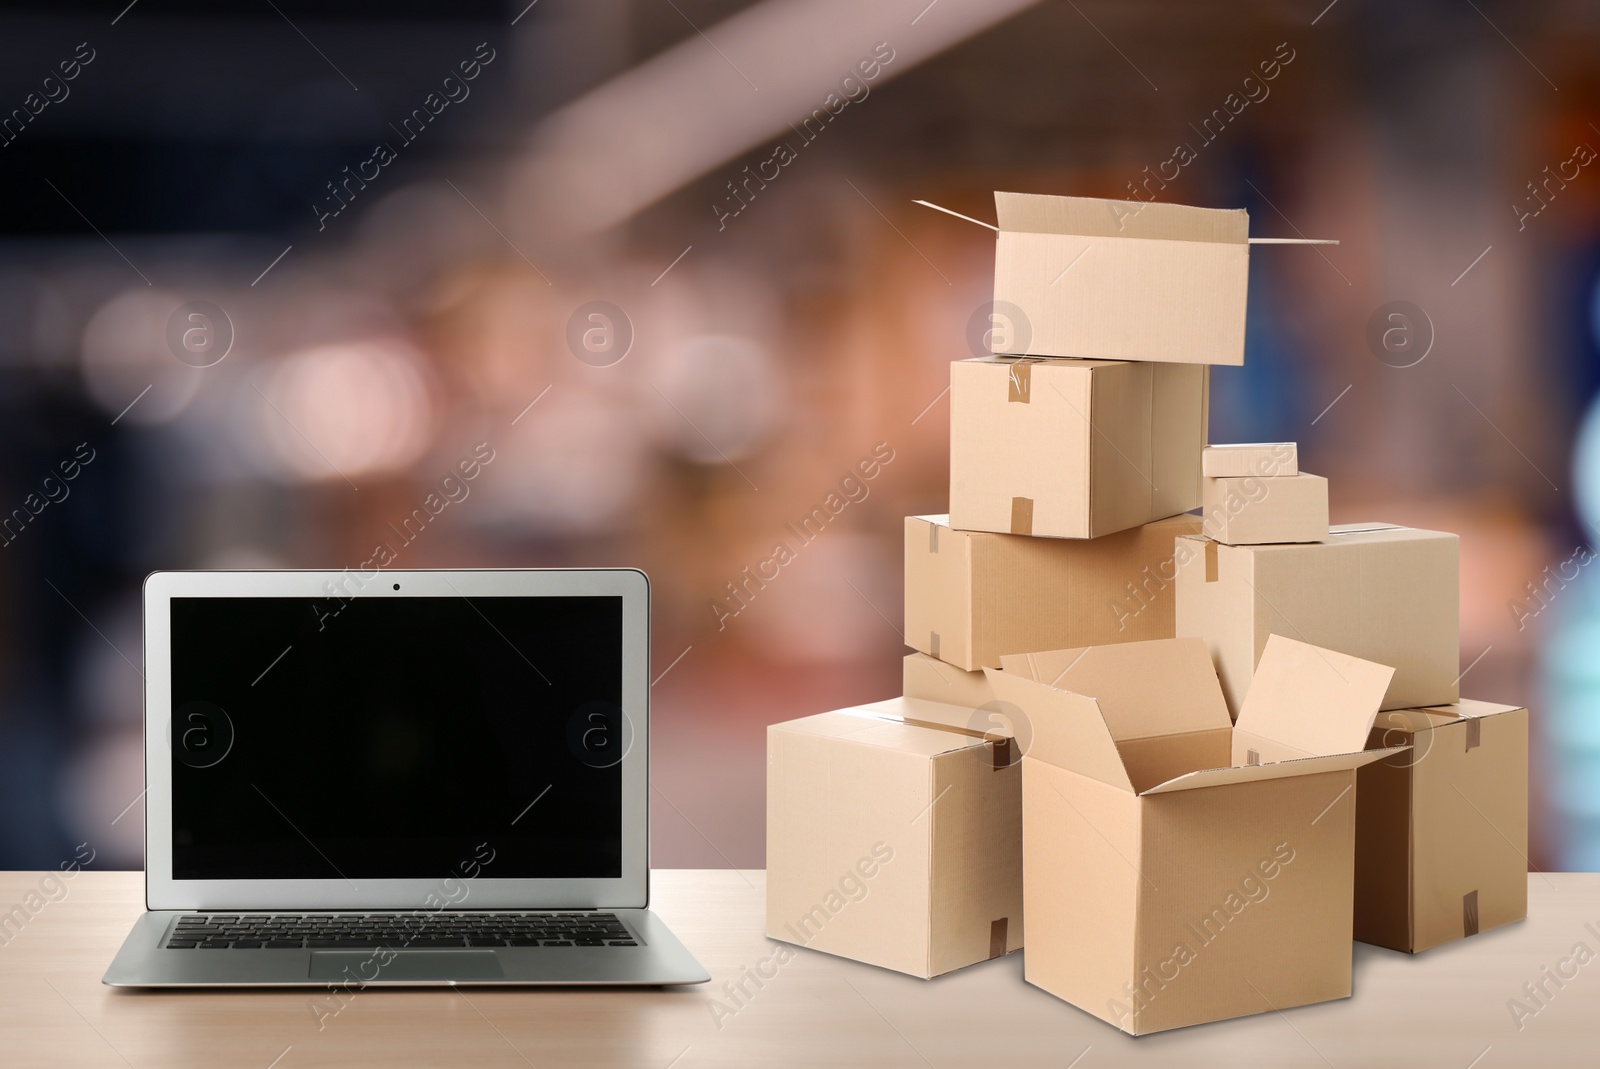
{"type": "Point", "coordinates": [1130, 724]}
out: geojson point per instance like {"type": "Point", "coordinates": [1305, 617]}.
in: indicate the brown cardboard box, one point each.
{"type": "Point", "coordinates": [894, 843]}
{"type": "Point", "coordinates": [1266, 459]}
{"type": "Point", "coordinates": [1442, 829]}
{"type": "Point", "coordinates": [1121, 280]}
{"type": "Point", "coordinates": [1073, 448]}
{"type": "Point", "coordinates": [1377, 591]}
{"type": "Point", "coordinates": [974, 595]}
{"type": "Point", "coordinates": [931, 679]}
{"type": "Point", "coordinates": [1252, 510]}
{"type": "Point", "coordinates": [1178, 869]}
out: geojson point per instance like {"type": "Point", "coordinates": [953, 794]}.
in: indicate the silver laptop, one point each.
{"type": "Point", "coordinates": [397, 778]}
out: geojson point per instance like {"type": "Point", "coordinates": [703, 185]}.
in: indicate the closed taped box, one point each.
{"type": "Point", "coordinates": [1442, 829]}
{"type": "Point", "coordinates": [862, 863]}
{"type": "Point", "coordinates": [1381, 592]}
{"type": "Point", "coordinates": [1073, 448]}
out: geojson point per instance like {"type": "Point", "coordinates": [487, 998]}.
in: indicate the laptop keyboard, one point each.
{"type": "Point", "coordinates": [362, 931]}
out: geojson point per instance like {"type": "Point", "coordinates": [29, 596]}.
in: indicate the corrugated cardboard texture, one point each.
{"type": "Point", "coordinates": [1288, 947]}
{"type": "Point", "coordinates": [1144, 689]}
{"type": "Point", "coordinates": [1106, 279]}
{"type": "Point", "coordinates": [1081, 885]}
{"type": "Point", "coordinates": [1179, 873]}
{"type": "Point", "coordinates": [1382, 593]}
{"type": "Point", "coordinates": [1308, 702]}
{"type": "Point", "coordinates": [986, 594]}
{"type": "Point", "coordinates": [1252, 510]}
{"type": "Point", "coordinates": [929, 678]}
{"type": "Point", "coordinates": [843, 789]}
{"type": "Point", "coordinates": [1097, 448]}
{"type": "Point", "coordinates": [1265, 459]}
{"type": "Point", "coordinates": [1442, 832]}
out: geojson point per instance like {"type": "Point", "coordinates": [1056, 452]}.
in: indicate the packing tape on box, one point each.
{"type": "Point", "coordinates": [1474, 733]}
{"type": "Point", "coordinates": [1022, 515]}
{"type": "Point", "coordinates": [933, 538]}
{"type": "Point", "coordinates": [1020, 384]}
{"type": "Point", "coordinates": [1211, 562]}
{"type": "Point", "coordinates": [997, 937]}
{"type": "Point", "coordinates": [933, 643]}
{"type": "Point", "coordinates": [1469, 913]}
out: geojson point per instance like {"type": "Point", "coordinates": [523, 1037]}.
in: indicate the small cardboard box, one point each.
{"type": "Point", "coordinates": [1442, 829]}
{"type": "Point", "coordinates": [1120, 280]}
{"type": "Point", "coordinates": [894, 836]}
{"type": "Point", "coordinates": [1178, 869]}
{"type": "Point", "coordinates": [1377, 591]}
{"type": "Point", "coordinates": [1073, 448]}
{"type": "Point", "coordinates": [931, 679]}
{"type": "Point", "coordinates": [1267, 459]}
{"type": "Point", "coordinates": [1252, 510]}
{"type": "Point", "coordinates": [974, 595]}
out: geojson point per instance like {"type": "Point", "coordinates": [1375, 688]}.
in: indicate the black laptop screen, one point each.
{"type": "Point", "coordinates": [396, 738]}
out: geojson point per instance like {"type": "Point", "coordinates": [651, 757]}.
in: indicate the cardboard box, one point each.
{"type": "Point", "coordinates": [1377, 591]}
{"type": "Point", "coordinates": [892, 842]}
{"type": "Point", "coordinates": [1120, 280]}
{"type": "Point", "coordinates": [1251, 510]}
{"type": "Point", "coordinates": [1266, 459]}
{"type": "Point", "coordinates": [1073, 448]}
{"type": "Point", "coordinates": [1178, 869]}
{"type": "Point", "coordinates": [974, 595]}
{"type": "Point", "coordinates": [931, 679]}
{"type": "Point", "coordinates": [1442, 829]}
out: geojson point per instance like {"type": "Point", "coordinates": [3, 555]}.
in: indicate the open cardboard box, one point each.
{"type": "Point", "coordinates": [1442, 829]}
{"type": "Point", "coordinates": [894, 835]}
{"type": "Point", "coordinates": [1073, 448]}
{"type": "Point", "coordinates": [1178, 868]}
{"type": "Point", "coordinates": [1112, 279]}
{"type": "Point", "coordinates": [1375, 590]}
{"type": "Point", "coordinates": [974, 595]}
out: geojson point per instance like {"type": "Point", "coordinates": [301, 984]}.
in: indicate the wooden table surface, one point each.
{"type": "Point", "coordinates": [1446, 1008]}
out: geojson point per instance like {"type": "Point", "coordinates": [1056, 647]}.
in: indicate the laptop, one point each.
{"type": "Point", "coordinates": [397, 778]}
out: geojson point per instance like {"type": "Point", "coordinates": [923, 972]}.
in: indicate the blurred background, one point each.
{"type": "Point", "coordinates": [270, 270]}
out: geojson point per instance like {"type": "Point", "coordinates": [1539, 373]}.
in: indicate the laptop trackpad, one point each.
{"type": "Point", "coordinates": [408, 965]}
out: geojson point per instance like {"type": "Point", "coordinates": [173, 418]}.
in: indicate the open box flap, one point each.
{"type": "Point", "coordinates": [1304, 766]}
{"type": "Point", "coordinates": [1165, 686]}
{"type": "Point", "coordinates": [1118, 218]}
{"type": "Point", "coordinates": [1067, 729]}
{"type": "Point", "coordinates": [1310, 700]}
